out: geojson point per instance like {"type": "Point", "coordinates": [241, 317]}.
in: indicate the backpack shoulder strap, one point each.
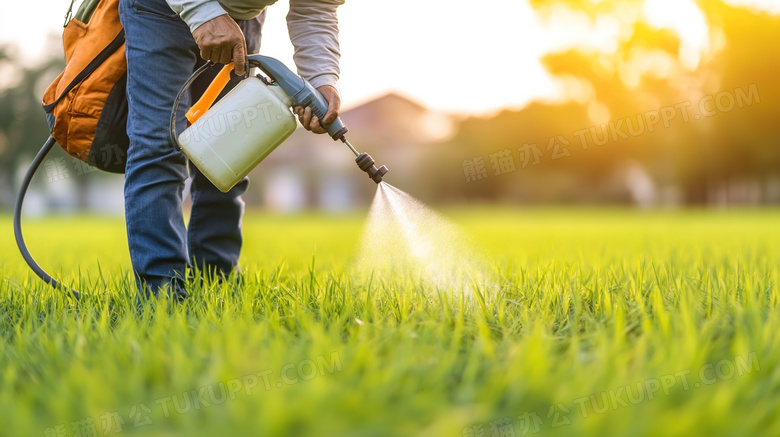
{"type": "Point", "coordinates": [91, 67]}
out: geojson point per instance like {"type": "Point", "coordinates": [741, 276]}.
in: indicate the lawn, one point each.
{"type": "Point", "coordinates": [591, 323]}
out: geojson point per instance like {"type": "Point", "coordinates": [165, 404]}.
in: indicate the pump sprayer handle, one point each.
{"type": "Point", "coordinates": [210, 95]}
{"type": "Point", "coordinates": [300, 91]}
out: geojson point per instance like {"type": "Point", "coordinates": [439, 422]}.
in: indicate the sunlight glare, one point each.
{"type": "Point", "coordinates": [684, 18]}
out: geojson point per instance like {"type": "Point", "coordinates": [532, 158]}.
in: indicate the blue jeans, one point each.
{"type": "Point", "coordinates": [161, 56]}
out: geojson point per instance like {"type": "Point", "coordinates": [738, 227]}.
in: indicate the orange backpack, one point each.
{"type": "Point", "coordinates": [86, 105]}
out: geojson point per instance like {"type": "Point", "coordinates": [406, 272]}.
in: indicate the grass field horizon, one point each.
{"type": "Point", "coordinates": [593, 322]}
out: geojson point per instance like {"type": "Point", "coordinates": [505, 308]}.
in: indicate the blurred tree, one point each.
{"type": "Point", "coordinates": [649, 70]}
{"type": "Point", "coordinates": [721, 101]}
{"type": "Point", "coordinates": [23, 127]}
{"type": "Point", "coordinates": [746, 137]}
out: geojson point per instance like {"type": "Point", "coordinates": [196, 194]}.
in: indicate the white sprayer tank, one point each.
{"type": "Point", "coordinates": [238, 132]}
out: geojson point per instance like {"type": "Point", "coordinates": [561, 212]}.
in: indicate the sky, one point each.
{"type": "Point", "coordinates": [449, 55]}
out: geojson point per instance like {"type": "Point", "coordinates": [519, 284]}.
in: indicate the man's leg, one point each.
{"type": "Point", "coordinates": [214, 231]}
{"type": "Point", "coordinates": [161, 55]}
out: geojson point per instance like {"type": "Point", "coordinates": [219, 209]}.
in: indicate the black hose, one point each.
{"type": "Point", "coordinates": [18, 220]}
{"type": "Point", "coordinates": [175, 109]}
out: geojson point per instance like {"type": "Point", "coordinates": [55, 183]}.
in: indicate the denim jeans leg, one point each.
{"type": "Point", "coordinates": [214, 231]}
{"type": "Point", "coordinates": [161, 55]}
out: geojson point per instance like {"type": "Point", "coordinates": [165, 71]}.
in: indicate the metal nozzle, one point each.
{"type": "Point", "coordinates": [366, 163]}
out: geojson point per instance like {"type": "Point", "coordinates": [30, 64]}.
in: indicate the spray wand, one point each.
{"type": "Point", "coordinates": [302, 93]}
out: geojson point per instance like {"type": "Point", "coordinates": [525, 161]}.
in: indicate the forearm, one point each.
{"type": "Point", "coordinates": [313, 28]}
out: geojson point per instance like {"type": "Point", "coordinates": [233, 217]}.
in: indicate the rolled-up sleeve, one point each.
{"type": "Point", "coordinates": [196, 12]}
{"type": "Point", "coordinates": [314, 31]}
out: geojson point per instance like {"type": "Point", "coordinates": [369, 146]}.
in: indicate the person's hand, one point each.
{"type": "Point", "coordinates": [311, 122]}
{"type": "Point", "coordinates": [220, 40]}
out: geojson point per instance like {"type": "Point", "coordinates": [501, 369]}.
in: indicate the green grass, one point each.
{"type": "Point", "coordinates": [586, 309]}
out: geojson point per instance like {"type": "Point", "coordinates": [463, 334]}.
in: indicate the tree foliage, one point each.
{"type": "Point", "coordinates": [730, 96]}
